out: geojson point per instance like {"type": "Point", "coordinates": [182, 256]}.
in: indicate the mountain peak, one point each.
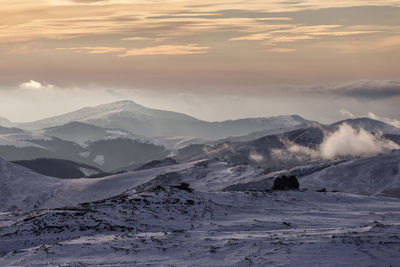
{"type": "Point", "coordinates": [5, 122]}
{"type": "Point", "coordinates": [121, 104]}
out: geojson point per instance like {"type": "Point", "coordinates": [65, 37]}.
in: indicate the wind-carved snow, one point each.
{"type": "Point", "coordinates": [172, 227]}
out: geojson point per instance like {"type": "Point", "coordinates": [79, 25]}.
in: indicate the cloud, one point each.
{"type": "Point", "coordinates": [149, 39]}
{"type": "Point", "coordinates": [362, 90]}
{"type": "Point", "coordinates": [88, 1]}
{"type": "Point", "coordinates": [167, 50]}
{"type": "Point", "coordinates": [35, 85]}
{"type": "Point", "coordinates": [371, 90]}
{"type": "Point", "coordinates": [94, 49]}
{"type": "Point", "coordinates": [393, 122]}
{"type": "Point", "coordinates": [292, 32]}
{"type": "Point", "coordinates": [345, 141]}
{"type": "Point", "coordinates": [34, 100]}
{"type": "Point", "coordinates": [346, 113]}
{"type": "Point", "coordinates": [282, 50]}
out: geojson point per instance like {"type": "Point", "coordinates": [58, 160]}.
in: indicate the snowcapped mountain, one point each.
{"type": "Point", "coordinates": [23, 189]}
{"type": "Point", "coordinates": [5, 122]}
{"type": "Point", "coordinates": [81, 133]}
{"type": "Point", "coordinates": [117, 150]}
{"type": "Point", "coordinates": [131, 117]}
{"type": "Point", "coordinates": [377, 175]}
{"type": "Point", "coordinates": [369, 125]}
{"type": "Point", "coordinates": [5, 130]}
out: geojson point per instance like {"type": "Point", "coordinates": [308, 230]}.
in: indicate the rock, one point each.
{"type": "Point", "coordinates": [286, 183]}
{"type": "Point", "coordinates": [183, 186]}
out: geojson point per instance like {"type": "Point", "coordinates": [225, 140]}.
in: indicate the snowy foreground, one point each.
{"type": "Point", "coordinates": [167, 226]}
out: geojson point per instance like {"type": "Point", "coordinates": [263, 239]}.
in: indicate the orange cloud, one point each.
{"type": "Point", "coordinates": [94, 50]}
{"type": "Point", "coordinates": [281, 50]}
{"type": "Point", "coordinates": [167, 50]}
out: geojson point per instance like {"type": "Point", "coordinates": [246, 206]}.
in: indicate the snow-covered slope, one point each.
{"type": "Point", "coordinates": [140, 120]}
{"type": "Point", "coordinates": [370, 125]}
{"type": "Point", "coordinates": [23, 189]}
{"type": "Point", "coordinates": [378, 175]}
{"type": "Point", "coordinates": [171, 227]}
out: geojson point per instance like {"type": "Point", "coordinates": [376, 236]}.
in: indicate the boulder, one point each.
{"type": "Point", "coordinates": [286, 183]}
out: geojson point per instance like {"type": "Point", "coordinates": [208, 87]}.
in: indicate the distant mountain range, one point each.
{"type": "Point", "coordinates": [137, 119]}
{"type": "Point", "coordinates": [161, 180]}
{"type": "Point", "coordinates": [121, 136]}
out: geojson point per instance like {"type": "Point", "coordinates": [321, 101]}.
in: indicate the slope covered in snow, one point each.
{"type": "Point", "coordinates": [172, 227]}
{"type": "Point", "coordinates": [26, 190]}
{"type": "Point", "coordinates": [377, 175]}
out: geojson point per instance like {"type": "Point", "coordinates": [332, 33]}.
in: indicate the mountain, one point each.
{"type": "Point", "coordinates": [287, 150]}
{"type": "Point", "coordinates": [372, 176]}
{"type": "Point", "coordinates": [24, 189]}
{"type": "Point", "coordinates": [81, 133]}
{"type": "Point", "coordinates": [369, 125]}
{"type": "Point", "coordinates": [108, 154]}
{"type": "Point", "coordinates": [157, 164]}
{"type": "Point", "coordinates": [60, 168]}
{"type": "Point", "coordinates": [377, 175]}
{"type": "Point", "coordinates": [5, 122]}
{"type": "Point", "coordinates": [172, 225]}
{"type": "Point", "coordinates": [131, 117]}
{"type": "Point", "coordinates": [5, 130]}
{"type": "Point", "coordinates": [115, 154]}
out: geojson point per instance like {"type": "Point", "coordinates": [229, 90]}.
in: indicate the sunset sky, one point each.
{"type": "Point", "coordinates": [222, 59]}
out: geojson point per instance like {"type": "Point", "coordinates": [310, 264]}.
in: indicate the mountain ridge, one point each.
{"type": "Point", "coordinates": [130, 116]}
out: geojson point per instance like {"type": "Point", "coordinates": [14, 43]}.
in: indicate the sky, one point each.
{"type": "Point", "coordinates": [215, 60]}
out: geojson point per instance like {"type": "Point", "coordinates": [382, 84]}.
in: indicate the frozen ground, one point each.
{"type": "Point", "coordinates": [141, 219]}
{"type": "Point", "coordinates": [172, 227]}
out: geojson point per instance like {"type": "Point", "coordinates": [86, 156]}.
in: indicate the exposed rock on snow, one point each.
{"type": "Point", "coordinates": [285, 183]}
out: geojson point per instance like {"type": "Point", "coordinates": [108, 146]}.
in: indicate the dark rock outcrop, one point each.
{"type": "Point", "coordinates": [286, 183]}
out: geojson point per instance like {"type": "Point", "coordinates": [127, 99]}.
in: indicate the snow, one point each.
{"type": "Point", "coordinates": [23, 189]}
{"type": "Point", "coordinates": [85, 154]}
{"type": "Point", "coordinates": [378, 175]}
{"type": "Point", "coordinates": [88, 172]}
{"type": "Point", "coordinates": [177, 228]}
{"type": "Point", "coordinates": [99, 159]}
{"type": "Point", "coordinates": [21, 139]}
{"type": "Point", "coordinates": [140, 218]}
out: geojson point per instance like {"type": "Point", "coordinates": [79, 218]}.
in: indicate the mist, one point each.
{"type": "Point", "coordinates": [345, 141]}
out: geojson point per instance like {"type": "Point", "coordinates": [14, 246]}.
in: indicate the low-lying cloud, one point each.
{"type": "Point", "coordinates": [368, 90]}
{"type": "Point", "coordinates": [345, 141]}
{"type": "Point", "coordinates": [393, 122]}
{"type": "Point", "coordinates": [34, 85]}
